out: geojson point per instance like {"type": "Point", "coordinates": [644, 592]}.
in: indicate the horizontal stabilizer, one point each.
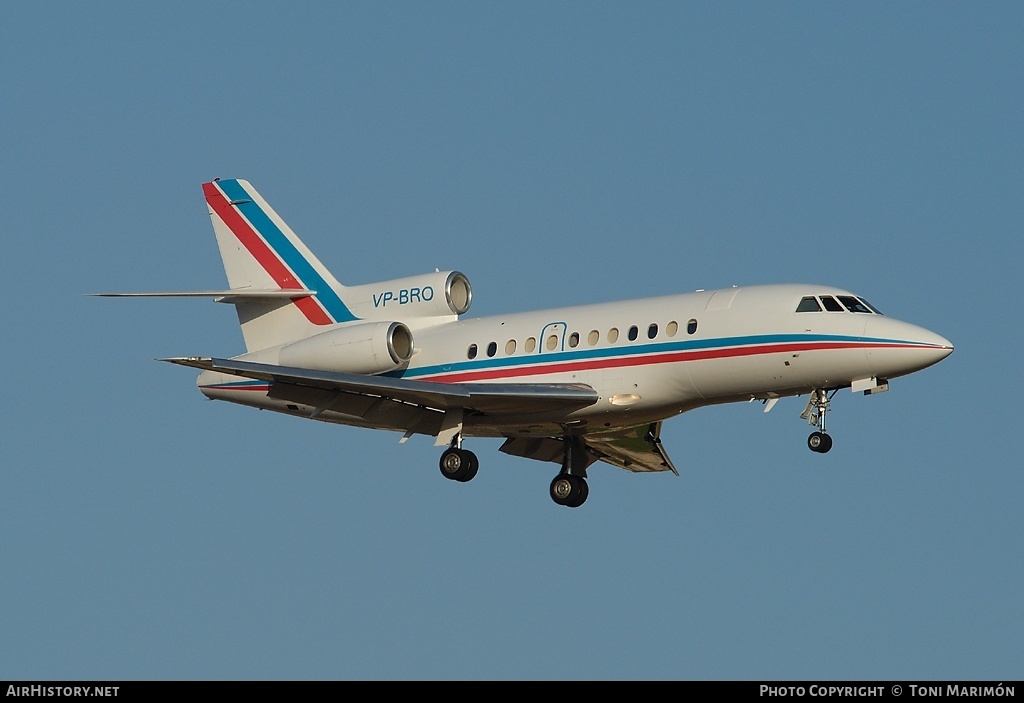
{"type": "Point", "coordinates": [237, 295]}
{"type": "Point", "coordinates": [486, 398]}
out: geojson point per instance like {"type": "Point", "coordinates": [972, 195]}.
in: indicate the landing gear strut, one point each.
{"type": "Point", "coordinates": [569, 487]}
{"type": "Point", "coordinates": [457, 463]}
{"type": "Point", "coordinates": [817, 407]}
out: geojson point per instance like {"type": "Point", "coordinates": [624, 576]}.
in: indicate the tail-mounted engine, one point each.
{"type": "Point", "coordinates": [439, 294]}
{"type": "Point", "coordinates": [366, 348]}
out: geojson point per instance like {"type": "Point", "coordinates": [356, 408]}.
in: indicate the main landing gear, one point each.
{"type": "Point", "coordinates": [569, 490]}
{"type": "Point", "coordinates": [457, 463]}
{"type": "Point", "coordinates": [815, 412]}
{"type": "Point", "coordinates": [569, 487]}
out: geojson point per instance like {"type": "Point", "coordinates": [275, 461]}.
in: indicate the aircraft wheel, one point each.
{"type": "Point", "coordinates": [569, 490]}
{"type": "Point", "coordinates": [819, 442]}
{"type": "Point", "coordinates": [584, 492]}
{"type": "Point", "coordinates": [472, 465]}
{"type": "Point", "coordinates": [459, 464]}
{"type": "Point", "coordinates": [561, 488]}
{"type": "Point", "coordinates": [826, 443]}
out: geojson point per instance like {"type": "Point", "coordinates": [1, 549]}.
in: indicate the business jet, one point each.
{"type": "Point", "coordinates": [571, 385]}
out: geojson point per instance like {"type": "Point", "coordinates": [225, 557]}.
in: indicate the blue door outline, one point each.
{"type": "Point", "coordinates": [556, 328]}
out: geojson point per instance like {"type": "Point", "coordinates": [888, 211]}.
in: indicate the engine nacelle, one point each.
{"type": "Point", "coordinates": [367, 348]}
{"type": "Point", "coordinates": [439, 294]}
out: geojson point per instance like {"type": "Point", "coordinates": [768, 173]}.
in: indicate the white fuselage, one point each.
{"type": "Point", "coordinates": [649, 359]}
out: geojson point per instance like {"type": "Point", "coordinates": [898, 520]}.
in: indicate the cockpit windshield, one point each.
{"type": "Point", "coordinates": [830, 304]}
{"type": "Point", "coordinates": [851, 303]}
{"type": "Point", "coordinates": [809, 304]}
{"type": "Point", "coordinates": [871, 307]}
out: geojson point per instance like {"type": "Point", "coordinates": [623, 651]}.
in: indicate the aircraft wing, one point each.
{"type": "Point", "coordinates": [639, 449]}
{"type": "Point", "coordinates": [486, 398]}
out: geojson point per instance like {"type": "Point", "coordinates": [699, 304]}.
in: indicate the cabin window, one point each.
{"type": "Point", "coordinates": [613, 335]}
{"type": "Point", "coordinates": [594, 337]}
{"type": "Point", "coordinates": [831, 304]}
{"type": "Point", "coordinates": [552, 342]}
{"type": "Point", "coordinates": [574, 340]}
{"type": "Point", "coordinates": [652, 330]}
{"type": "Point", "coordinates": [510, 347]}
{"type": "Point", "coordinates": [472, 351]}
{"type": "Point", "coordinates": [492, 349]}
{"type": "Point", "coordinates": [691, 326]}
{"type": "Point", "coordinates": [633, 333]}
{"type": "Point", "coordinates": [853, 305]}
{"type": "Point", "coordinates": [530, 345]}
{"type": "Point", "coordinates": [671, 328]}
{"type": "Point", "coordinates": [808, 304]}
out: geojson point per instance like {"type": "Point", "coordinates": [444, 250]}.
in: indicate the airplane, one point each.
{"type": "Point", "coordinates": [569, 385]}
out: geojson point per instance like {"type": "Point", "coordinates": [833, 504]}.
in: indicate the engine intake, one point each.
{"type": "Point", "coordinates": [439, 294]}
{"type": "Point", "coordinates": [366, 348]}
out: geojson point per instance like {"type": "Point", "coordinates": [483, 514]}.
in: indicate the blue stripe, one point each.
{"type": "Point", "coordinates": [283, 247]}
{"type": "Point", "coordinates": [547, 358]}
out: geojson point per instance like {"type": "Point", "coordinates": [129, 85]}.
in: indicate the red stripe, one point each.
{"type": "Point", "coordinates": [263, 254]}
{"type": "Point", "coordinates": [567, 366]}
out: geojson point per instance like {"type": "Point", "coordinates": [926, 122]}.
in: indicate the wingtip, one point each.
{"type": "Point", "coordinates": [196, 362]}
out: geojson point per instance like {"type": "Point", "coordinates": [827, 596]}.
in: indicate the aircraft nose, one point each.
{"type": "Point", "coordinates": [899, 348]}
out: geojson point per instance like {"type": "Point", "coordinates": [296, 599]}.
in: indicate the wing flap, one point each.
{"type": "Point", "coordinates": [487, 398]}
{"type": "Point", "coordinates": [362, 410]}
{"type": "Point", "coordinates": [640, 451]}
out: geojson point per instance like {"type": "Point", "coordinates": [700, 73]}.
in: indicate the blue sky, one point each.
{"type": "Point", "coordinates": [557, 153]}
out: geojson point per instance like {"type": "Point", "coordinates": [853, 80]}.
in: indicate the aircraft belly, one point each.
{"type": "Point", "coordinates": [619, 388]}
{"type": "Point", "coordinates": [594, 421]}
{"type": "Point", "coordinates": [715, 378]}
{"type": "Point", "coordinates": [627, 397]}
{"type": "Point", "coordinates": [832, 367]}
{"type": "Point", "coordinates": [784, 373]}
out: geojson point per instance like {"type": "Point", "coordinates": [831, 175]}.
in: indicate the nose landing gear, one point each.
{"type": "Point", "coordinates": [815, 412]}
{"type": "Point", "coordinates": [819, 442]}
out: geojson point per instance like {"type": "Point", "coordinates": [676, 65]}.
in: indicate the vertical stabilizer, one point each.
{"type": "Point", "coordinates": [261, 252]}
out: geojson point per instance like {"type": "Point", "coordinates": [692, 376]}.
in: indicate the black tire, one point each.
{"type": "Point", "coordinates": [584, 491]}
{"type": "Point", "coordinates": [816, 441]}
{"type": "Point", "coordinates": [453, 464]}
{"type": "Point", "coordinates": [826, 444]}
{"type": "Point", "coordinates": [472, 466]}
{"type": "Point", "coordinates": [569, 490]}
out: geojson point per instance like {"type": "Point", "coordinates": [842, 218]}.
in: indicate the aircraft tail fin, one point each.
{"type": "Point", "coordinates": [261, 253]}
